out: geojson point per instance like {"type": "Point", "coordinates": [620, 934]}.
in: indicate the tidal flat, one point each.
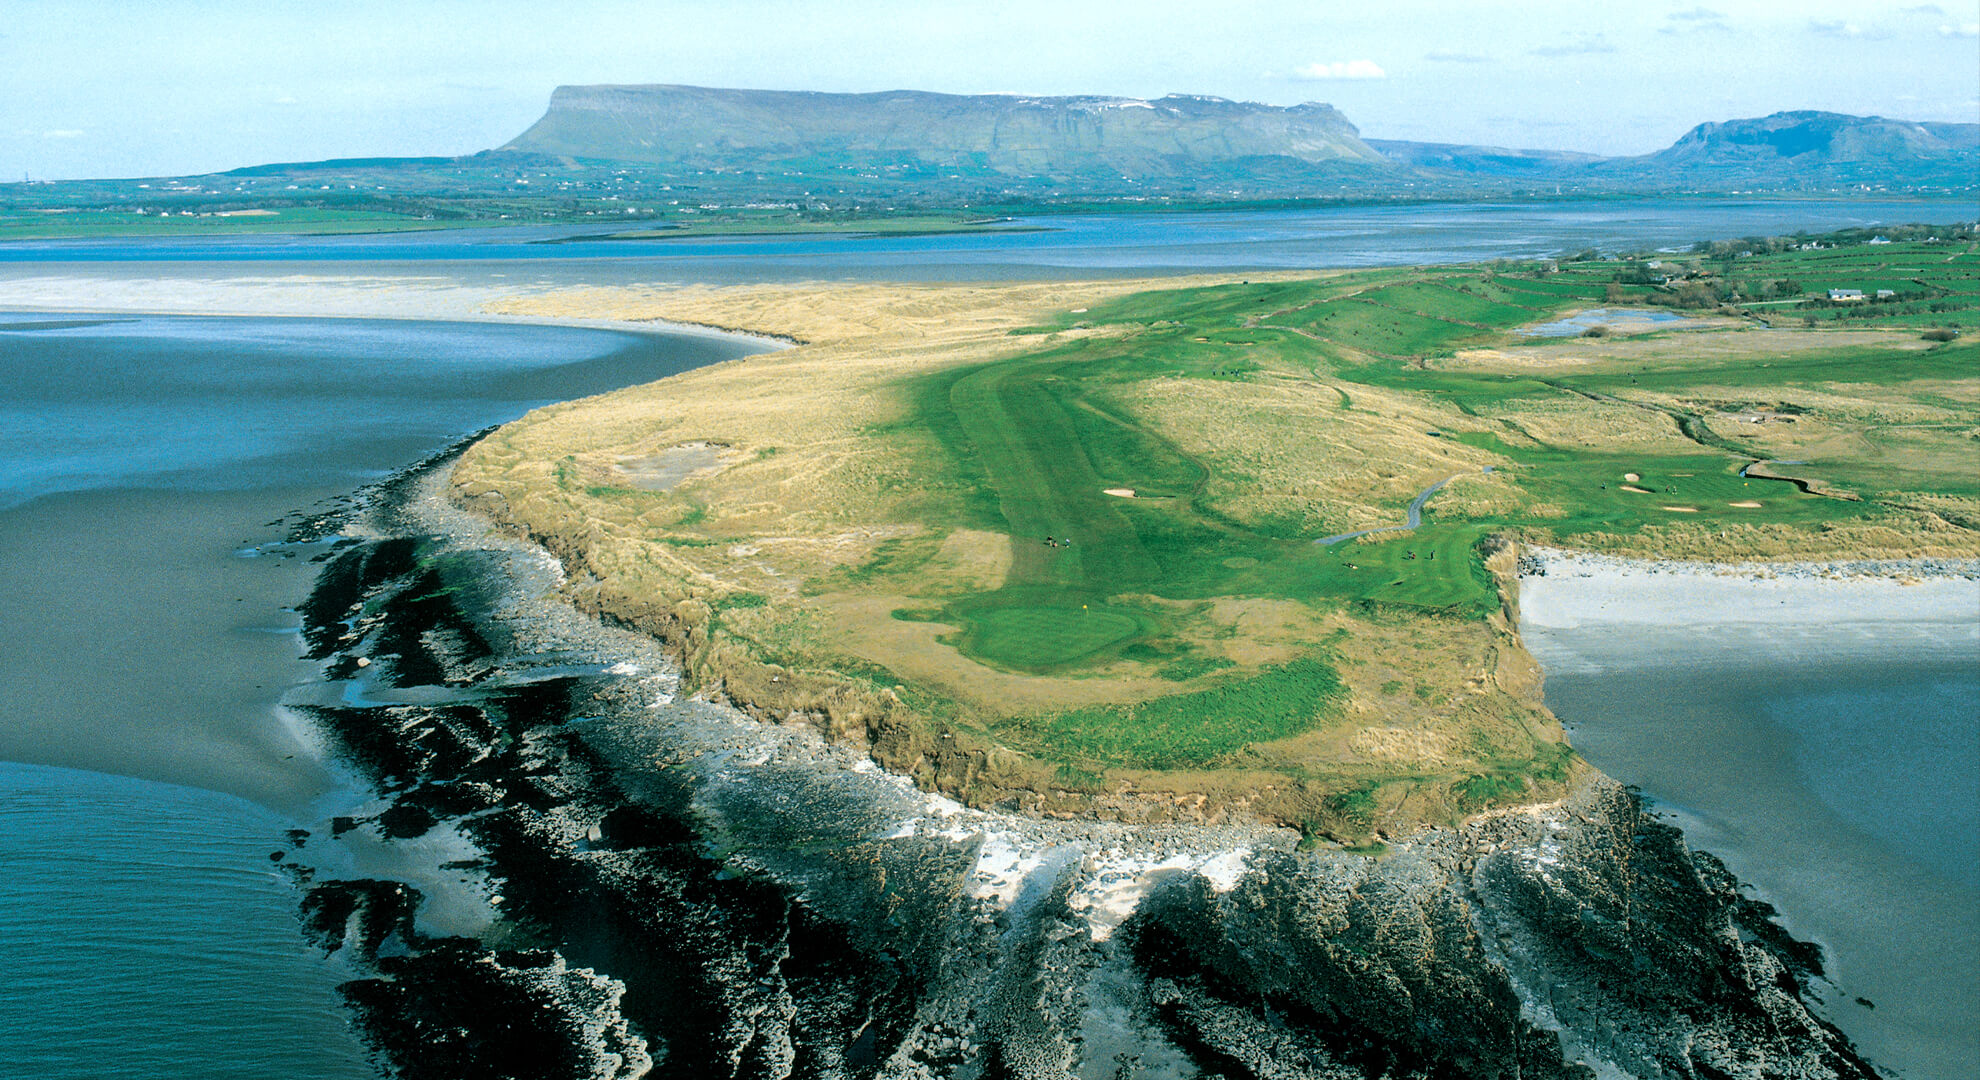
{"type": "Point", "coordinates": [1813, 726]}
{"type": "Point", "coordinates": [164, 485]}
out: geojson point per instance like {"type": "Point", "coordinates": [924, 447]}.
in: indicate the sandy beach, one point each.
{"type": "Point", "coordinates": [1811, 725]}
{"type": "Point", "coordinates": [200, 291]}
{"type": "Point", "coordinates": [1563, 590]}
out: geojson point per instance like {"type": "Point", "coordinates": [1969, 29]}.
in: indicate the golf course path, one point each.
{"type": "Point", "coordinates": [1411, 521]}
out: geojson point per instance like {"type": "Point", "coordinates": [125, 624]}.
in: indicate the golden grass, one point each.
{"type": "Point", "coordinates": [1287, 452]}
{"type": "Point", "coordinates": [801, 489]}
{"type": "Point", "coordinates": [730, 511]}
{"type": "Point", "coordinates": [1569, 420]}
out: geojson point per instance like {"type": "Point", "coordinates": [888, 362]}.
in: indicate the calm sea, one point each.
{"type": "Point", "coordinates": [1835, 768]}
{"type": "Point", "coordinates": [145, 465]}
{"type": "Point", "coordinates": [1045, 246]}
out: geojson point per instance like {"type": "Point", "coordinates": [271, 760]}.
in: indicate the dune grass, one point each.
{"type": "Point", "coordinates": [922, 491]}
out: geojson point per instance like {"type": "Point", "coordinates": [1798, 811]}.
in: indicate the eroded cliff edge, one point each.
{"type": "Point", "coordinates": [687, 892]}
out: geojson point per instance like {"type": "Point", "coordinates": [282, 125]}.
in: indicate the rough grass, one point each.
{"type": "Point", "coordinates": [918, 491]}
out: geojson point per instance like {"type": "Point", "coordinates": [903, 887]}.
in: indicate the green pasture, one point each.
{"type": "Point", "coordinates": [1555, 288]}
{"type": "Point", "coordinates": [40, 226]}
{"type": "Point", "coordinates": [1450, 302]}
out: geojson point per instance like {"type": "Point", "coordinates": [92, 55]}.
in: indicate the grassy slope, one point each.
{"type": "Point", "coordinates": [30, 225]}
{"type": "Point", "coordinates": [895, 484]}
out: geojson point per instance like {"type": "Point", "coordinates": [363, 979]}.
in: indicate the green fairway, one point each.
{"type": "Point", "coordinates": [1074, 555]}
{"type": "Point", "coordinates": [1433, 568]}
{"type": "Point", "coordinates": [1043, 638]}
{"type": "Point", "coordinates": [1188, 730]}
{"type": "Point", "coordinates": [1043, 437]}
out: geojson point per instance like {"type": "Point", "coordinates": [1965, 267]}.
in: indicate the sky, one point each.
{"type": "Point", "coordinates": [103, 88]}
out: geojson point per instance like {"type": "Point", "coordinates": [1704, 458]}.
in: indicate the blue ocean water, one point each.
{"type": "Point", "coordinates": [145, 932]}
{"type": "Point", "coordinates": [193, 403]}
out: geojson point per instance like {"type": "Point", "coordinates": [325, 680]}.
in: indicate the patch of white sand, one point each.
{"type": "Point", "coordinates": [1578, 589]}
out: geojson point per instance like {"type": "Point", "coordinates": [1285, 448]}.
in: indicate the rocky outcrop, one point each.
{"type": "Point", "coordinates": [684, 892]}
{"type": "Point", "coordinates": [1580, 937]}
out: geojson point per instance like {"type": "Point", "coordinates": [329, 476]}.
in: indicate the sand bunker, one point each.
{"type": "Point", "coordinates": [1682, 509]}
{"type": "Point", "coordinates": [1747, 505]}
{"type": "Point", "coordinates": [1119, 493]}
{"type": "Point", "coordinates": [1631, 477]}
{"type": "Point", "coordinates": [673, 466]}
{"type": "Point", "coordinates": [1638, 490]}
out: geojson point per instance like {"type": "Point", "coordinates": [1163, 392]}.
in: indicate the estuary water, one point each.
{"type": "Point", "coordinates": [147, 468]}
{"type": "Point", "coordinates": [1834, 766]}
{"type": "Point", "coordinates": [1044, 246]}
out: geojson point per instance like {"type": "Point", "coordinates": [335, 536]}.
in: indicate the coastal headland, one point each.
{"type": "Point", "coordinates": [1052, 547]}
{"type": "Point", "coordinates": [676, 883]}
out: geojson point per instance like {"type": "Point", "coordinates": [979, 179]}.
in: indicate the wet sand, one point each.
{"type": "Point", "coordinates": [1814, 728]}
{"type": "Point", "coordinates": [143, 638]}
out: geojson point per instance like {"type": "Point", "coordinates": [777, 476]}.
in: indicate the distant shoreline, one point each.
{"type": "Point", "coordinates": [326, 296]}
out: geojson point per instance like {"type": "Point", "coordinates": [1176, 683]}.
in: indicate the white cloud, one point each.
{"type": "Point", "coordinates": [62, 133]}
{"type": "Point", "coordinates": [1838, 28]}
{"type": "Point", "coordinates": [1693, 20]}
{"type": "Point", "coordinates": [1584, 45]}
{"type": "Point", "coordinates": [1453, 56]}
{"type": "Point", "coordinates": [1967, 30]}
{"type": "Point", "coordinates": [285, 99]}
{"type": "Point", "coordinates": [1926, 9]}
{"type": "Point", "coordinates": [1341, 69]}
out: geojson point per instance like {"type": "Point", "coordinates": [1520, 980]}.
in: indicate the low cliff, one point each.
{"type": "Point", "coordinates": [722, 898]}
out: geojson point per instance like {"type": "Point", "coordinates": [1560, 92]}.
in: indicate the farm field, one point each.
{"type": "Point", "coordinates": [1062, 546]}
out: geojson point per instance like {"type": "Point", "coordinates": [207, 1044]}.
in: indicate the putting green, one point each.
{"type": "Point", "coordinates": [1046, 637]}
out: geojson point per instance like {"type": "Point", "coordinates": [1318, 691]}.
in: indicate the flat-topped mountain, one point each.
{"type": "Point", "coordinates": [690, 155]}
{"type": "Point", "coordinates": [937, 145]}
{"type": "Point", "coordinates": [1095, 139]}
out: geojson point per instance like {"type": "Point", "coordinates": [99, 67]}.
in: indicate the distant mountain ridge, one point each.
{"type": "Point", "coordinates": [1820, 138]}
{"type": "Point", "coordinates": [1193, 145]}
{"type": "Point", "coordinates": [1796, 149]}
{"type": "Point", "coordinates": [1095, 139]}
{"type": "Point", "coordinates": [687, 155]}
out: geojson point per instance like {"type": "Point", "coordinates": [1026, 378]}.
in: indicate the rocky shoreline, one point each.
{"type": "Point", "coordinates": [683, 891]}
